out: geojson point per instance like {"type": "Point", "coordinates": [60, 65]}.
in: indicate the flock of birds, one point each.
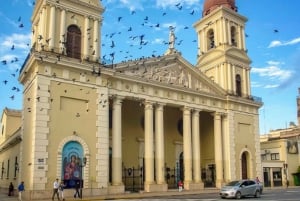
{"type": "Point", "coordinates": [137, 36]}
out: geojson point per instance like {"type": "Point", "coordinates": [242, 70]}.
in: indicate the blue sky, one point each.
{"type": "Point", "coordinates": [273, 43]}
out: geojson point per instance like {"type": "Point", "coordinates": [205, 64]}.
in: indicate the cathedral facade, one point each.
{"type": "Point", "coordinates": [151, 122]}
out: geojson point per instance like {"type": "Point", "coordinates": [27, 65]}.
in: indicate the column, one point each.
{"type": "Point", "coordinates": [62, 34]}
{"type": "Point", "coordinates": [243, 43]}
{"type": "Point", "coordinates": [159, 144]}
{"type": "Point", "coordinates": [117, 142]}
{"type": "Point", "coordinates": [229, 77]}
{"type": "Point", "coordinates": [51, 36]}
{"type": "Point", "coordinates": [240, 41]}
{"type": "Point", "coordinates": [196, 146]}
{"type": "Point", "coordinates": [218, 149]}
{"type": "Point", "coordinates": [271, 177]}
{"type": "Point", "coordinates": [228, 32]}
{"type": "Point", "coordinates": [149, 156]}
{"type": "Point", "coordinates": [248, 82]}
{"type": "Point", "coordinates": [244, 83]}
{"type": "Point", "coordinates": [224, 38]}
{"type": "Point", "coordinates": [95, 40]}
{"type": "Point", "coordinates": [187, 146]}
{"type": "Point", "coordinates": [41, 28]}
{"type": "Point", "coordinates": [86, 35]}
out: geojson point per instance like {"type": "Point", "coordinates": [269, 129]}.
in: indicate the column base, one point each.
{"type": "Point", "coordinates": [193, 186]}
{"type": "Point", "coordinates": [117, 189]}
{"type": "Point", "coordinates": [220, 183]}
{"type": "Point", "coordinates": [155, 187]}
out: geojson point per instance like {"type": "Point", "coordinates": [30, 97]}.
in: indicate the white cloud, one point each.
{"type": "Point", "coordinates": [271, 86]}
{"type": "Point", "coordinates": [170, 3]}
{"type": "Point", "coordinates": [273, 72]}
{"type": "Point", "coordinates": [277, 43]}
{"type": "Point", "coordinates": [256, 84]}
{"type": "Point", "coordinates": [19, 41]}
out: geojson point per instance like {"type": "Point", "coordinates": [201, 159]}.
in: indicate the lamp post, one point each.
{"type": "Point", "coordinates": [81, 170]}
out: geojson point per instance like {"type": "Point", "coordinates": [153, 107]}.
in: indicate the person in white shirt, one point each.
{"type": "Point", "coordinates": [55, 189]}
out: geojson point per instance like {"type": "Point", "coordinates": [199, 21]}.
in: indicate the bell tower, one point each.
{"type": "Point", "coordinates": [68, 27]}
{"type": "Point", "coordinates": [59, 76]}
{"type": "Point", "coordinates": [222, 53]}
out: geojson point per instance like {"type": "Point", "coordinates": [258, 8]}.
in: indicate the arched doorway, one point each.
{"type": "Point", "coordinates": [244, 161]}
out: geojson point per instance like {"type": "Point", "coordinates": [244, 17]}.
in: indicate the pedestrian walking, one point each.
{"type": "Point", "coordinates": [11, 189]}
{"type": "Point", "coordinates": [61, 190]}
{"type": "Point", "coordinates": [55, 189]}
{"type": "Point", "coordinates": [21, 189]}
{"type": "Point", "coordinates": [77, 186]}
{"type": "Point", "coordinates": [180, 185]}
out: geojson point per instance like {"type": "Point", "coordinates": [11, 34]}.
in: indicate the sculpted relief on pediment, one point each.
{"type": "Point", "coordinates": [172, 74]}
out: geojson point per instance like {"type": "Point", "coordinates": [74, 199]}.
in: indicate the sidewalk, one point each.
{"type": "Point", "coordinates": [128, 195]}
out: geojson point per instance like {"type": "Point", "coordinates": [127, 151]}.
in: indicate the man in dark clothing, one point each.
{"type": "Point", "coordinates": [11, 189]}
{"type": "Point", "coordinates": [77, 186]}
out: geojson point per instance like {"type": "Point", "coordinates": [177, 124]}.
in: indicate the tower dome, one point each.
{"type": "Point", "coordinates": [210, 5]}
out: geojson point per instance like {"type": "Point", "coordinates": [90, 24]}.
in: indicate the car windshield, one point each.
{"type": "Point", "coordinates": [233, 183]}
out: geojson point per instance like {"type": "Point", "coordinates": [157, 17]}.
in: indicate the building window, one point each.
{"type": "Point", "coordinates": [211, 39]}
{"type": "Point", "coordinates": [74, 42]}
{"type": "Point", "coordinates": [275, 156]}
{"type": "Point", "coordinates": [238, 84]}
{"type": "Point", "coordinates": [233, 36]}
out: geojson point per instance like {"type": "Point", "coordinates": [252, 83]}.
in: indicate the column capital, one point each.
{"type": "Point", "coordinates": [218, 114]}
{"type": "Point", "coordinates": [117, 97]}
{"type": "Point", "coordinates": [185, 108]}
{"type": "Point", "coordinates": [196, 111]}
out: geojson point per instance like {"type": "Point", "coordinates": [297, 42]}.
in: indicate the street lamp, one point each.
{"type": "Point", "coordinates": [81, 170]}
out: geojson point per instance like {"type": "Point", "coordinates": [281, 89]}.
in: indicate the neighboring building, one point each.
{"type": "Point", "coordinates": [10, 139]}
{"type": "Point", "coordinates": [280, 154]}
{"type": "Point", "coordinates": [136, 125]}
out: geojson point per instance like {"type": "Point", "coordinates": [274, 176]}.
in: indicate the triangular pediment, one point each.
{"type": "Point", "coordinates": [171, 70]}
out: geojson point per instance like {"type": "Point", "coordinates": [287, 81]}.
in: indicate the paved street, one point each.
{"type": "Point", "coordinates": [275, 194]}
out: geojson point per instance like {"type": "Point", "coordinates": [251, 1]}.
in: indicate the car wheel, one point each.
{"type": "Point", "coordinates": [257, 194]}
{"type": "Point", "coordinates": [238, 195]}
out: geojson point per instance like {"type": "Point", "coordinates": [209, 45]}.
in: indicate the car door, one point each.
{"type": "Point", "coordinates": [244, 188]}
{"type": "Point", "coordinates": [251, 187]}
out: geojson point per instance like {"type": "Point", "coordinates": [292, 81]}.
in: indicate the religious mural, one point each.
{"type": "Point", "coordinates": [72, 163]}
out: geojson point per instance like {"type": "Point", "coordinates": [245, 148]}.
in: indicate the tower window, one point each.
{"type": "Point", "coordinates": [74, 42]}
{"type": "Point", "coordinates": [238, 85]}
{"type": "Point", "coordinates": [233, 36]}
{"type": "Point", "coordinates": [210, 39]}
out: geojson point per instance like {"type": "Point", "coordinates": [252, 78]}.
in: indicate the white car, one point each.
{"type": "Point", "coordinates": [240, 188]}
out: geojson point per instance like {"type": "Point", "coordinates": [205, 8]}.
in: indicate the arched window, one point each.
{"type": "Point", "coordinates": [238, 84]}
{"type": "Point", "coordinates": [74, 42]}
{"type": "Point", "coordinates": [233, 36]}
{"type": "Point", "coordinates": [210, 39]}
